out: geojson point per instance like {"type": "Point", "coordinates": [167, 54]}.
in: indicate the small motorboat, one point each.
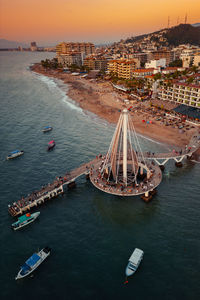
{"type": "Point", "coordinates": [47, 128]}
{"type": "Point", "coordinates": [15, 154]}
{"type": "Point", "coordinates": [25, 220]}
{"type": "Point", "coordinates": [51, 145]}
{"type": "Point", "coordinates": [134, 261]}
{"type": "Point", "coordinates": [33, 263]}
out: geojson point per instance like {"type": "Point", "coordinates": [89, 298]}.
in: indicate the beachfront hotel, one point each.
{"type": "Point", "coordinates": [86, 48]}
{"type": "Point", "coordinates": [123, 68]}
{"type": "Point", "coordinates": [70, 58]}
{"type": "Point", "coordinates": [95, 63]}
{"type": "Point", "coordinates": [181, 93]}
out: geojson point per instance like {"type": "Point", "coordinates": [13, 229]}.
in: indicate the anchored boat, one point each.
{"type": "Point", "coordinates": [47, 128]}
{"type": "Point", "coordinates": [51, 145]}
{"type": "Point", "coordinates": [15, 154]}
{"type": "Point", "coordinates": [134, 261]}
{"type": "Point", "coordinates": [33, 263]}
{"type": "Point", "coordinates": [25, 220]}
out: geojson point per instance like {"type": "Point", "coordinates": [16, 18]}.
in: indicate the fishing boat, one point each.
{"type": "Point", "coordinates": [51, 145]}
{"type": "Point", "coordinates": [15, 154]}
{"type": "Point", "coordinates": [33, 263]}
{"type": "Point", "coordinates": [47, 128]}
{"type": "Point", "coordinates": [25, 220]}
{"type": "Point", "coordinates": [134, 261]}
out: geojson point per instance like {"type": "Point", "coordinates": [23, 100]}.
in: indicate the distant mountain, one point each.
{"type": "Point", "coordinates": [196, 25]}
{"type": "Point", "coordinates": [11, 44]}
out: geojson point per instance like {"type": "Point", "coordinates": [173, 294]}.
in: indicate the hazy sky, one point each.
{"type": "Point", "coordinates": [51, 21]}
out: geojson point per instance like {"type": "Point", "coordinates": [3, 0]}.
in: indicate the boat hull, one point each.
{"type": "Point", "coordinates": [44, 253]}
{"type": "Point", "coordinates": [51, 147]}
{"type": "Point", "coordinates": [134, 262]}
{"type": "Point", "coordinates": [15, 155]}
{"type": "Point", "coordinates": [34, 217]}
{"type": "Point", "coordinates": [47, 130]}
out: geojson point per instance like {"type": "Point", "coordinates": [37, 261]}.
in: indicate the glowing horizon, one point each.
{"type": "Point", "coordinates": [53, 21]}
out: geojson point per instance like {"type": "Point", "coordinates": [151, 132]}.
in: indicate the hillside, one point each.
{"type": "Point", "coordinates": [181, 34]}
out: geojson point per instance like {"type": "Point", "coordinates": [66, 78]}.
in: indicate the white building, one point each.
{"type": "Point", "coordinates": [156, 63]}
{"type": "Point", "coordinates": [182, 93]}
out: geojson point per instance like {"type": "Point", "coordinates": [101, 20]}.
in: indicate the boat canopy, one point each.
{"type": "Point", "coordinates": [51, 142]}
{"type": "Point", "coordinates": [24, 218]}
{"type": "Point", "coordinates": [32, 260]}
{"type": "Point", "coordinates": [136, 256]}
{"type": "Point", "coordinates": [46, 127]}
{"type": "Point", "coordinates": [16, 151]}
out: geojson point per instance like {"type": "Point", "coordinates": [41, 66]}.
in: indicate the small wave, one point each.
{"type": "Point", "coordinates": [72, 104]}
{"type": "Point", "coordinates": [54, 84]}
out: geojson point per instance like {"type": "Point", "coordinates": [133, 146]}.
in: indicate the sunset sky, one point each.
{"type": "Point", "coordinates": [50, 21]}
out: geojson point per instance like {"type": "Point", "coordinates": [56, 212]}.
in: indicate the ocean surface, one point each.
{"type": "Point", "coordinates": [92, 234]}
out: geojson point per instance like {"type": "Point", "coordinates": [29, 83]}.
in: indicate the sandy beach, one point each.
{"type": "Point", "coordinates": [100, 98]}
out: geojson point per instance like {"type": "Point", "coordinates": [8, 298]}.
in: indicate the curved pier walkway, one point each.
{"type": "Point", "coordinates": [177, 156]}
{"type": "Point", "coordinates": [51, 190]}
{"type": "Point", "coordinates": [55, 188]}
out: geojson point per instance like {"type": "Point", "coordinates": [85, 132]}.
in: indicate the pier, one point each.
{"type": "Point", "coordinates": [123, 171]}
{"type": "Point", "coordinates": [50, 191]}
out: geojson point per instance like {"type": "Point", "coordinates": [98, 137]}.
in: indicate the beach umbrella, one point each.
{"type": "Point", "coordinates": [150, 122]}
{"type": "Point", "coordinates": [147, 122]}
{"type": "Point", "coordinates": [143, 121]}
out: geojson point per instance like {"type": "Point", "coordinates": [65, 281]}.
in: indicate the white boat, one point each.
{"type": "Point", "coordinates": [134, 261]}
{"type": "Point", "coordinates": [33, 263]}
{"type": "Point", "coordinates": [25, 220]}
{"type": "Point", "coordinates": [15, 154]}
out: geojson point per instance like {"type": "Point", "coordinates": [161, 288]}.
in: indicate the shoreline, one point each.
{"type": "Point", "coordinates": [101, 99]}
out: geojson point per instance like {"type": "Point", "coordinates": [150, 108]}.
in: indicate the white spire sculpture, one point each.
{"type": "Point", "coordinates": [122, 162]}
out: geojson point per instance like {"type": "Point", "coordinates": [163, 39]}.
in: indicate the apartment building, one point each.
{"type": "Point", "coordinates": [168, 55]}
{"type": "Point", "coordinates": [86, 48]}
{"type": "Point", "coordinates": [196, 61]}
{"type": "Point", "coordinates": [181, 93]}
{"type": "Point", "coordinates": [70, 58]}
{"type": "Point", "coordinates": [95, 63]}
{"type": "Point", "coordinates": [123, 68]}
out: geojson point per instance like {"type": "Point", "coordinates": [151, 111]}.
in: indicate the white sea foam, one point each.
{"type": "Point", "coordinates": [56, 84]}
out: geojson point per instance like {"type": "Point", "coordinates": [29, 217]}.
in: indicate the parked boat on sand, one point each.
{"type": "Point", "coordinates": [15, 154]}
{"type": "Point", "coordinates": [134, 261]}
{"type": "Point", "coordinates": [25, 220]}
{"type": "Point", "coordinates": [33, 263]}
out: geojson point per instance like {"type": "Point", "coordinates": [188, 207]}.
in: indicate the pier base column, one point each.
{"type": "Point", "coordinates": [148, 196]}
{"type": "Point", "coordinates": [178, 164]}
{"type": "Point", "coordinates": [162, 167]}
{"type": "Point", "coordinates": [71, 185]}
{"type": "Point", "coordinates": [141, 171]}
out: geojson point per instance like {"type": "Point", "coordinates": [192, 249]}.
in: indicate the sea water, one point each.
{"type": "Point", "coordinates": [92, 234]}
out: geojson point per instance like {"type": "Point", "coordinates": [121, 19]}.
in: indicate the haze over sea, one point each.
{"type": "Point", "coordinates": [92, 234]}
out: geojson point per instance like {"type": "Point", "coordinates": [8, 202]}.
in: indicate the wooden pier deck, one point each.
{"type": "Point", "coordinates": [51, 190]}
